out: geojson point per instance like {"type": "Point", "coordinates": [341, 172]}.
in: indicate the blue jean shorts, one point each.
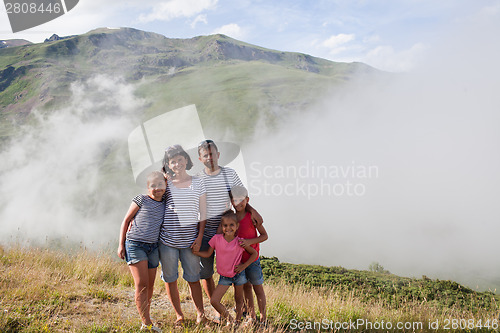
{"type": "Point", "coordinates": [238, 280]}
{"type": "Point", "coordinates": [136, 251]}
{"type": "Point", "coordinates": [254, 273]}
{"type": "Point", "coordinates": [170, 256]}
{"type": "Point", "coordinates": [207, 264]}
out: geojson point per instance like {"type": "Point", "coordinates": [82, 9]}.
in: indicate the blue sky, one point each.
{"type": "Point", "coordinates": [391, 35]}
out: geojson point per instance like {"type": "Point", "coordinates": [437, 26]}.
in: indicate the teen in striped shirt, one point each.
{"type": "Point", "coordinates": [139, 245]}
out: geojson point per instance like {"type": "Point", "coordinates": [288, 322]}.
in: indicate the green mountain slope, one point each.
{"type": "Point", "coordinates": [217, 73]}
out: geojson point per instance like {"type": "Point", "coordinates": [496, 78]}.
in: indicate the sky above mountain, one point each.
{"type": "Point", "coordinates": [391, 35]}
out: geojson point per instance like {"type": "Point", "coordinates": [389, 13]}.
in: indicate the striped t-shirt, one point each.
{"type": "Point", "coordinates": [180, 225]}
{"type": "Point", "coordinates": [218, 200]}
{"type": "Point", "coordinates": [148, 219]}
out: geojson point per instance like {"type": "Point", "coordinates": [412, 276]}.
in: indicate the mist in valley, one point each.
{"type": "Point", "coordinates": [431, 140]}
{"type": "Point", "coordinates": [58, 177]}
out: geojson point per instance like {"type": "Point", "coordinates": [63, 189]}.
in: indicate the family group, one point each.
{"type": "Point", "coordinates": [191, 219]}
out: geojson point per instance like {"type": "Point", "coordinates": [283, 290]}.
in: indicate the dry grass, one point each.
{"type": "Point", "coordinates": [56, 291]}
{"type": "Point", "coordinates": [305, 305]}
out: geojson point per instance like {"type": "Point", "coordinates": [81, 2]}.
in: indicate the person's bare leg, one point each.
{"type": "Point", "coordinates": [247, 289]}
{"type": "Point", "coordinates": [238, 299]}
{"type": "Point", "coordinates": [140, 273]}
{"type": "Point", "coordinates": [219, 291]}
{"type": "Point", "coordinates": [151, 284]}
{"type": "Point", "coordinates": [261, 301]}
{"type": "Point", "coordinates": [173, 295]}
{"type": "Point", "coordinates": [197, 296]}
{"type": "Point", "coordinates": [208, 286]}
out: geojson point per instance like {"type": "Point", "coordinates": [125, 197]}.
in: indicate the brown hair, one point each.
{"type": "Point", "coordinates": [170, 153]}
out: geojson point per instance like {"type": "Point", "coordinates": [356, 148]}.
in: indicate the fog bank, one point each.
{"type": "Point", "coordinates": [432, 137]}
{"type": "Point", "coordinates": [56, 178]}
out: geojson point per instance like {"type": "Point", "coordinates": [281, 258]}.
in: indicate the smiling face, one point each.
{"type": "Point", "coordinates": [156, 187]}
{"type": "Point", "coordinates": [209, 157]}
{"type": "Point", "coordinates": [239, 203]}
{"type": "Point", "coordinates": [229, 227]}
{"type": "Point", "coordinates": [177, 164]}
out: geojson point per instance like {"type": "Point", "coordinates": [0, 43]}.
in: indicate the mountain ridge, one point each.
{"type": "Point", "coordinates": [39, 75]}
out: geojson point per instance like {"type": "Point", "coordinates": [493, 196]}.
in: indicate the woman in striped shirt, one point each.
{"type": "Point", "coordinates": [182, 229]}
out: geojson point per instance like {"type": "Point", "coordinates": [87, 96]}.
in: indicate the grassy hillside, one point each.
{"type": "Point", "coordinates": [75, 290]}
{"type": "Point", "coordinates": [389, 288]}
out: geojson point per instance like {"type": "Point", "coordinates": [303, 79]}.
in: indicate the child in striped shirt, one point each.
{"type": "Point", "coordinates": [138, 243]}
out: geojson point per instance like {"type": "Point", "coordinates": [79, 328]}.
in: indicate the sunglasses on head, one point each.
{"type": "Point", "coordinates": [205, 142]}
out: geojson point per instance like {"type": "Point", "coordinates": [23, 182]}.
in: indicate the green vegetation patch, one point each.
{"type": "Point", "coordinates": [393, 290]}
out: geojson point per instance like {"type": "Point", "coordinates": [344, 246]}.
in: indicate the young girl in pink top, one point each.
{"type": "Point", "coordinates": [229, 266]}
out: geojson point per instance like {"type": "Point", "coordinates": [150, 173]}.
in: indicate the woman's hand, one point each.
{"type": "Point", "coordinates": [121, 252]}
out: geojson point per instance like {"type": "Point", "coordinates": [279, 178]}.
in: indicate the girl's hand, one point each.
{"type": "Point", "coordinates": [196, 245]}
{"type": "Point", "coordinates": [121, 252]}
{"type": "Point", "coordinates": [256, 218]}
{"type": "Point", "coordinates": [244, 243]}
{"type": "Point", "coordinates": [239, 268]}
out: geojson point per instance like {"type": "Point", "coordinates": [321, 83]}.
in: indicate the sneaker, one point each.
{"type": "Point", "coordinates": [150, 328]}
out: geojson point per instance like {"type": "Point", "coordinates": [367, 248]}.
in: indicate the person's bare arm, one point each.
{"type": "Point", "coordinates": [204, 254]}
{"type": "Point", "coordinates": [261, 238]}
{"type": "Point", "coordinates": [253, 256]}
{"type": "Point", "coordinates": [203, 222]}
{"type": "Point", "coordinates": [124, 228]}
{"type": "Point", "coordinates": [256, 217]}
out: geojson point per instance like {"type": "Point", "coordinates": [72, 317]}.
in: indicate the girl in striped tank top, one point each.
{"type": "Point", "coordinates": [138, 244]}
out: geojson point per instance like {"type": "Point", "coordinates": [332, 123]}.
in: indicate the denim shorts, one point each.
{"type": "Point", "coordinates": [238, 280]}
{"type": "Point", "coordinates": [206, 264]}
{"type": "Point", "coordinates": [136, 251]}
{"type": "Point", "coordinates": [254, 273]}
{"type": "Point", "coordinates": [169, 258]}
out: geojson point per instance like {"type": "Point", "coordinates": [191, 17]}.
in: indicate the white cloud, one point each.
{"type": "Point", "coordinates": [199, 18]}
{"type": "Point", "coordinates": [336, 42]}
{"type": "Point", "coordinates": [168, 10]}
{"type": "Point", "coordinates": [87, 15]}
{"type": "Point", "coordinates": [232, 30]}
{"type": "Point", "coordinates": [372, 39]}
{"type": "Point", "coordinates": [489, 11]}
{"type": "Point", "coordinates": [385, 57]}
